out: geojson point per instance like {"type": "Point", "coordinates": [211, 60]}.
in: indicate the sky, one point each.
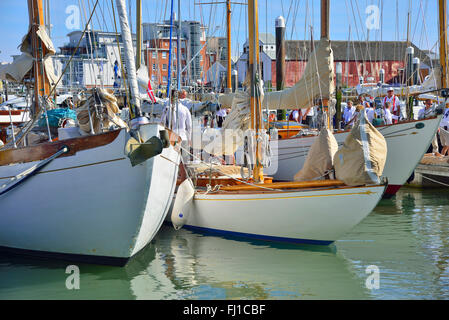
{"type": "Point", "coordinates": [354, 19]}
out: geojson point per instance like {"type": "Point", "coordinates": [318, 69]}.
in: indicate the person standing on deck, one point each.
{"type": "Point", "coordinates": [388, 117]}
{"type": "Point", "coordinates": [422, 114]}
{"type": "Point", "coordinates": [444, 133]}
{"type": "Point", "coordinates": [221, 116]}
{"type": "Point", "coordinates": [295, 115]}
{"type": "Point", "coordinates": [395, 105]}
{"type": "Point", "coordinates": [182, 121]}
{"type": "Point", "coordinates": [307, 117]}
{"type": "Point", "coordinates": [182, 125]}
{"type": "Point", "coordinates": [370, 112]}
{"type": "Point", "coordinates": [348, 113]}
{"type": "Point", "coordinates": [426, 110]}
{"type": "Point", "coordinates": [356, 116]}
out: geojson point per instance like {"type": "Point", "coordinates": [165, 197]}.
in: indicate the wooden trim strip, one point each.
{"type": "Point", "coordinates": [261, 191]}
{"type": "Point", "coordinates": [44, 150]}
{"type": "Point", "coordinates": [286, 185]}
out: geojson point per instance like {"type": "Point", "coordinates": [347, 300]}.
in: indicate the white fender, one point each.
{"type": "Point", "coordinates": [183, 201]}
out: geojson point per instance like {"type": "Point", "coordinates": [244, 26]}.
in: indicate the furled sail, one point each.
{"type": "Point", "coordinates": [16, 71]}
{"type": "Point", "coordinates": [128, 52]}
{"type": "Point", "coordinates": [316, 82]}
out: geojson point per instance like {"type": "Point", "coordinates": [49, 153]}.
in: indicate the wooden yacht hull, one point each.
{"type": "Point", "coordinates": [90, 204]}
{"type": "Point", "coordinates": [297, 216]}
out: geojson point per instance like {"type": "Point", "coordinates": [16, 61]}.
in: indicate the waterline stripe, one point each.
{"type": "Point", "coordinates": [258, 236]}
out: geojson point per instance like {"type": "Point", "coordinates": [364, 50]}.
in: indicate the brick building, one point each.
{"type": "Point", "coordinates": [358, 59]}
{"type": "Point", "coordinates": [156, 38]}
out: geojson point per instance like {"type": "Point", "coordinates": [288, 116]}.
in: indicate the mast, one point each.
{"type": "Point", "coordinates": [47, 17]}
{"type": "Point", "coordinates": [254, 71]}
{"type": "Point", "coordinates": [129, 57]}
{"type": "Point", "coordinates": [138, 33]}
{"type": "Point", "coordinates": [170, 53]}
{"type": "Point", "coordinates": [443, 43]}
{"type": "Point", "coordinates": [41, 83]}
{"type": "Point", "coordinates": [325, 6]}
{"type": "Point", "coordinates": [178, 49]}
{"type": "Point", "coordinates": [229, 67]}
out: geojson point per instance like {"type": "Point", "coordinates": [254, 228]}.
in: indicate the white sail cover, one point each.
{"type": "Point", "coordinates": [129, 52]}
{"type": "Point", "coordinates": [361, 159]}
{"type": "Point", "coordinates": [16, 71]}
{"type": "Point", "coordinates": [237, 122]}
{"type": "Point", "coordinates": [320, 158]}
{"type": "Point", "coordinates": [316, 82]}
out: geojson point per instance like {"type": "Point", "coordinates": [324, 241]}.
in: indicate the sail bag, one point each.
{"type": "Point", "coordinates": [106, 104]}
{"type": "Point", "coordinates": [361, 159]}
{"type": "Point", "coordinates": [320, 158]}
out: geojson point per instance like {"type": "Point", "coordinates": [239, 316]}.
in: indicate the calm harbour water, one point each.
{"type": "Point", "coordinates": [406, 237]}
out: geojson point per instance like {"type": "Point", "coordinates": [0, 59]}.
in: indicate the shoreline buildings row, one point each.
{"type": "Point", "coordinates": [203, 59]}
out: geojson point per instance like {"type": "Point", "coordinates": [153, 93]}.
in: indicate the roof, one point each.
{"type": "Point", "coordinates": [356, 50]}
{"type": "Point", "coordinates": [265, 38]}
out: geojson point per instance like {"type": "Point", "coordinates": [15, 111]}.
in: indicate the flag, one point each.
{"type": "Point", "coordinates": [151, 92]}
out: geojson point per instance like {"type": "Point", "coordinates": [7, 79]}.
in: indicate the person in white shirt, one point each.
{"type": "Point", "coordinates": [221, 115]}
{"type": "Point", "coordinates": [348, 113]}
{"type": "Point", "coordinates": [388, 116]}
{"type": "Point", "coordinates": [395, 108]}
{"type": "Point", "coordinates": [370, 113]}
{"type": "Point", "coordinates": [182, 121]}
{"type": "Point", "coordinates": [295, 115]}
{"type": "Point", "coordinates": [307, 118]}
{"type": "Point", "coordinates": [444, 132]}
{"type": "Point", "coordinates": [190, 104]}
{"type": "Point", "coordinates": [422, 114]}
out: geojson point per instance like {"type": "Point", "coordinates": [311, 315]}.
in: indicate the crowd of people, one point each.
{"type": "Point", "coordinates": [386, 112]}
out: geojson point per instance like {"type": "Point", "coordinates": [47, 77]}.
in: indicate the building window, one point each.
{"type": "Point", "coordinates": [164, 55]}
{"type": "Point", "coordinates": [153, 78]}
{"type": "Point", "coordinates": [154, 55]}
{"type": "Point", "coordinates": [164, 79]}
{"type": "Point", "coordinates": [154, 67]}
{"type": "Point", "coordinates": [164, 66]}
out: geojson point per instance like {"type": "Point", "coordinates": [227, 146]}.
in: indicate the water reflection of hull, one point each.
{"type": "Point", "coordinates": [408, 240]}
{"type": "Point", "coordinates": [142, 278]}
{"type": "Point", "coordinates": [228, 269]}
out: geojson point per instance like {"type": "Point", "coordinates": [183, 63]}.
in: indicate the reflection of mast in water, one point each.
{"type": "Point", "coordinates": [410, 248]}
{"type": "Point", "coordinates": [431, 223]}
{"type": "Point", "coordinates": [232, 269]}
